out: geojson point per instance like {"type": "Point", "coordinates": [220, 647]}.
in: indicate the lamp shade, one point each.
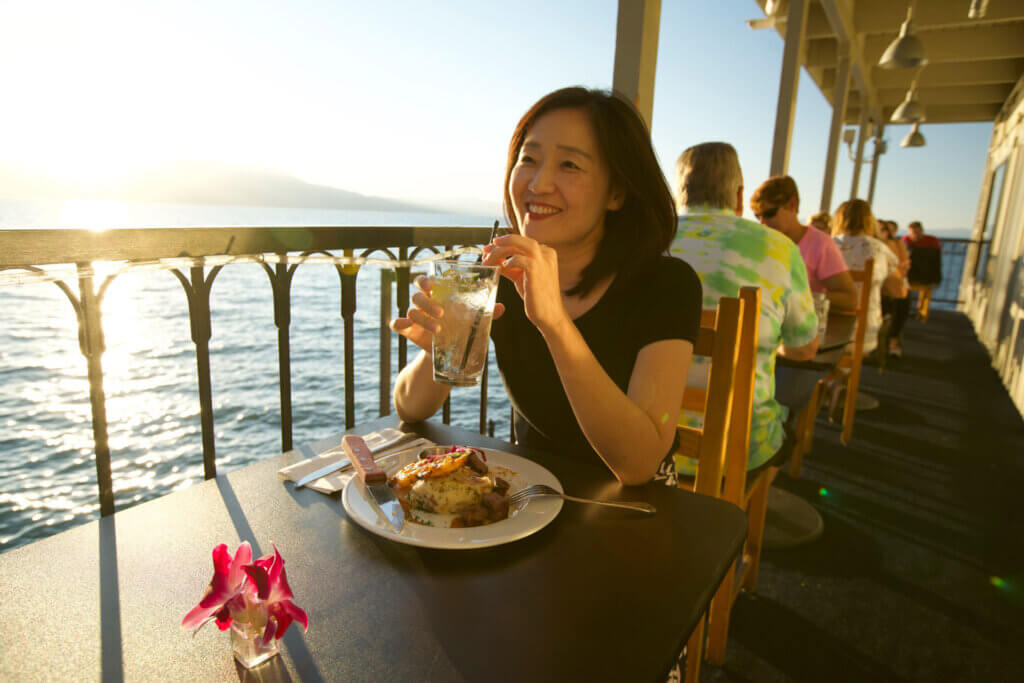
{"type": "Point", "coordinates": [910, 110]}
{"type": "Point", "coordinates": [906, 51]}
{"type": "Point", "coordinates": [914, 138]}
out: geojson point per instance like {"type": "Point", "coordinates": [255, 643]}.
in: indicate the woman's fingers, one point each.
{"type": "Point", "coordinates": [425, 321]}
{"type": "Point", "coordinates": [427, 305]}
{"type": "Point", "coordinates": [499, 310]}
{"type": "Point", "coordinates": [413, 332]}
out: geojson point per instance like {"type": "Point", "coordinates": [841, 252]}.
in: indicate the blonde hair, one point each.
{"type": "Point", "coordinates": [853, 217]}
{"type": "Point", "coordinates": [708, 174]}
{"type": "Point", "coordinates": [773, 194]}
{"type": "Point", "coordinates": [822, 217]}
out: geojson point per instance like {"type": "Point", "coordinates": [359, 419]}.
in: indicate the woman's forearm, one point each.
{"type": "Point", "coordinates": [622, 434]}
{"type": "Point", "coordinates": [417, 396]}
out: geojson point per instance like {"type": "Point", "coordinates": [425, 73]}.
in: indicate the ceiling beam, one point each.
{"type": "Point", "coordinates": [941, 74]}
{"type": "Point", "coordinates": [1005, 41]}
{"type": "Point", "coordinates": [965, 94]}
{"type": "Point", "coordinates": [885, 16]}
{"type": "Point", "coordinates": [949, 113]}
{"type": "Point", "coordinates": [840, 17]}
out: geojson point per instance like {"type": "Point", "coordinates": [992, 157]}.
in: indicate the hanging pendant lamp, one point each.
{"type": "Point", "coordinates": [914, 138]}
{"type": "Point", "coordinates": [910, 110]}
{"type": "Point", "coordinates": [907, 50]}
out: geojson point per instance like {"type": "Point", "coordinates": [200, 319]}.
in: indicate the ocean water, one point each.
{"type": "Point", "coordinates": [47, 468]}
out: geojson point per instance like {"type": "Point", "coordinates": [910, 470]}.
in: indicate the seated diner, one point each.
{"type": "Point", "coordinates": [854, 231]}
{"type": "Point", "coordinates": [729, 252]}
{"type": "Point", "coordinates": [595, 323]}
{"type": "Point", "coordinates": [776, 204]}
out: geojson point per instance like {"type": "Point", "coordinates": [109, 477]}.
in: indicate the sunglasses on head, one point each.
{"type": "Point", "coordinates": [770, 213]}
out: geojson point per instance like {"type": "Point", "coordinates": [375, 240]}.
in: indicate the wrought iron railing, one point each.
{"type": "Point", "coordinates": [955, 254]}
{"type": "Point", "coordinates": [195, 256]}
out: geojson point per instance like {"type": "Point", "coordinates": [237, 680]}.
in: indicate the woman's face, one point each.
{"type": "Point", "coordinates": [560, 186]}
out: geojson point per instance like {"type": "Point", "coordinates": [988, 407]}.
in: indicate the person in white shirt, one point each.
{"type": "Point", "coordinates": [854, 229]}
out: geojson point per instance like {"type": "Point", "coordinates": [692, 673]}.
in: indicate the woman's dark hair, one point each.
{"type": "Point", "coordinates": [644, 226]}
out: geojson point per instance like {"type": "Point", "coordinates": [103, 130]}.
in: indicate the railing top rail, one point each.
{"type": "Point", "coordinates": [36, 247]}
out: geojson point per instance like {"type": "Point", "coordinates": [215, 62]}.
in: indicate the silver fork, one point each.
{"type": "Point", "coordinates": [545, 490]}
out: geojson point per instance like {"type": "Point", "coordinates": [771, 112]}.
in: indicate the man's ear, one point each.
{"type": "Point", "coordinates": [739, 201]}
{"type": "Point", "coordinates": [793, 205]}
{"type": "Point", "coordinates": [616, 198]}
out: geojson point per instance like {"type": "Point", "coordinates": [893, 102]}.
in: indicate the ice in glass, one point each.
{"type": "Point", "coordinates": [467, 292]}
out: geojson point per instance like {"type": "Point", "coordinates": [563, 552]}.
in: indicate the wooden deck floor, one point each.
{"type": "Point", "coordinates": [919, 575]}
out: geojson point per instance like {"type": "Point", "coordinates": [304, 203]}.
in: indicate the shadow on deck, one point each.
{"type": "Point", "coordinates": [919, 575]}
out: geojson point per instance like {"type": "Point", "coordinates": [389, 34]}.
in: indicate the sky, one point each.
{"type": "Point", "coordinates": [414, 100]}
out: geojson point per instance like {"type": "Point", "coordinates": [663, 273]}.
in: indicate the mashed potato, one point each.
{"type": "Point", "coordinates": [451, 494]}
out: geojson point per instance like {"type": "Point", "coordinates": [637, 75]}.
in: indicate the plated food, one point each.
{"type": "Point", "coordinates": [453, 480]}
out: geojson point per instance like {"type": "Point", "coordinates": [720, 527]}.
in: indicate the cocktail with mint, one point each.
{"type": "Point", "coordinates": [467, 292]}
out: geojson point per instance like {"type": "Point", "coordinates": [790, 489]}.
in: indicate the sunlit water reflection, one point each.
{"type": "Point", "coordinates": [47, 462]}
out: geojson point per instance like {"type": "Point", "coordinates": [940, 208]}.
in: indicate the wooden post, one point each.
{"type": "Point", "coordinates": [874, 165]}
{"type": "Point", "coordinates": [862, 133]}
{"type": "Point", "coordinates": [636, 53]}
{"type": "Point", "coordinates": [839, 97]}
{"type": "Point", "coordinates": [792, 57]}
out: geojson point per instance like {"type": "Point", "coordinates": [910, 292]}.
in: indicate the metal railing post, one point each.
{"type": "Point", "coordinates": [198, 293]}
{"type": "Point", "coordinates": [386, 278]}
{"type": "Point", "coordinates": [281, 283]}
{"type": "Point", "coordinates": [348, 274]}
{"type": "Point", "coordinates": [92, 345]}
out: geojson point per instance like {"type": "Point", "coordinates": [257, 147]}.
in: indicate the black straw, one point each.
{"type": "Point", "coordinates": [479, 314]}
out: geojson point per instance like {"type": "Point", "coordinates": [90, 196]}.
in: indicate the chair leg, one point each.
{"type": "Point", "coordinates": [695, 653]}
{"type": "Point", "coordinates": [850, 410]}
{"type": "Point", "coordinates": [721, 608]}
{"type": "Point", "coordinates": [805, 431]}
{"type": "Point", "coordinates": [757, 513]}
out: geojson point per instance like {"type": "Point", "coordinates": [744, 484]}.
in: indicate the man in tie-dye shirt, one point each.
{"type": "Point", "coordinates": [729, 252]}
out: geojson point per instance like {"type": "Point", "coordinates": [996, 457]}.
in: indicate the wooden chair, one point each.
{"type": "Point", "coordinates": [845, 376]}
{"type": "Point", "coordinates": [721, 447]}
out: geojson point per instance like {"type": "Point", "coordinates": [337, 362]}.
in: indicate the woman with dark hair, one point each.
{"type": "Point", "coordinates": [595, 323]}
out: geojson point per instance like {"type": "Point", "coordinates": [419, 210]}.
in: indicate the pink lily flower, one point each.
{"type": "Point", "coordinates": [269, 583]}
{"type": "Point", "coordinates": [254, 593]}
{"type": "Point", "coordinates": [224, 594]}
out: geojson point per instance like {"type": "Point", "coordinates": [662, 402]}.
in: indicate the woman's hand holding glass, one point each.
{"type": "Point", "coordinates": [424, 317]}
{"type": "Point", "coordinates": [533, 269]}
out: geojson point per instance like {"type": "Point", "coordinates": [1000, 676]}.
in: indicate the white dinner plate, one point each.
{"type": "Point", "coordinates": [523, 519]}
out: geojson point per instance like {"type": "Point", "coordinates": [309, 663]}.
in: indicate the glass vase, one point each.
{"type": "Point", "coordinates": [247, 645]}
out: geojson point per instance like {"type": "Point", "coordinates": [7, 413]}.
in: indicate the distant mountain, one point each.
{"type": "Point", "coordinates": [202, 182]}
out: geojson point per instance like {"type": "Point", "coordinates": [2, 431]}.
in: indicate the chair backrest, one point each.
{"type": "Point", "coordinates": [863, 304]}
{"type": "Point", "coordinates": [729, 337]}
{"type": "Point", "coordinates": [719, 340]}
{"type": "Point", "coordinates": [743, 398]}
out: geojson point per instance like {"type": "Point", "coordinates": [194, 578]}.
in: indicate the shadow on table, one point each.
{"type": "Point", "coordinates": [294, 640]}
{"type": "Point", "coordinates": [111, 658]}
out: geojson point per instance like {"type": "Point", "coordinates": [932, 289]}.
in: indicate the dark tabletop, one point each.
{"type": "Point", "coordinates": [598, 594]}
{"type": "Point", "coordinates": [838, 334]}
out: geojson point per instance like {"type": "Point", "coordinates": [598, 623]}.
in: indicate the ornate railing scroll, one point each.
{"type": "Point", "coordinates": [70, 254]}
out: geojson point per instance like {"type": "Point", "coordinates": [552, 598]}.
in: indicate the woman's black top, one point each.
{"type": "Point", "coordinates": [662, 304]}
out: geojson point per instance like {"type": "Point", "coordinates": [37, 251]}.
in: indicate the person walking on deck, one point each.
{"type": "Point", "coordinates": [925, 265]}
{"type": "Point", "coordinates": [897, 304]}
{"type": "Point", "coordinates": [729, 252]}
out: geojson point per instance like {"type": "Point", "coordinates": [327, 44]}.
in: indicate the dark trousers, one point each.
{"type": "Point", "coordinates": [899, 309]}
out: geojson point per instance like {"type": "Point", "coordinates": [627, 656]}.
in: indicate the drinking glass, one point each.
{"type": "Point", "coordinates": [821, 310]}
{"type": "Point", "coordinates": [467, 292]}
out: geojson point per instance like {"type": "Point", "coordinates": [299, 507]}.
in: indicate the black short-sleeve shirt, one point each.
{"type": "Point", "coordinates": [662, 304]}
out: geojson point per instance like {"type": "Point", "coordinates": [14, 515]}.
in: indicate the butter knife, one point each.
{"type": "Point", "coordinates": [375, 480]}
{"type": "Point", "coordinates": [345, 463]}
